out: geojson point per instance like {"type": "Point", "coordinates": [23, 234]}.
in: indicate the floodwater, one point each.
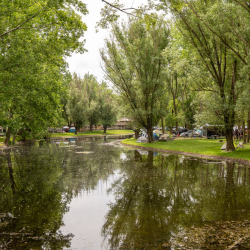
{"type": "Point", "coordinates": [92, 193]}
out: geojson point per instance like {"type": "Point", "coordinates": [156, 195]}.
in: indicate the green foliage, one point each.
{"type": "Point", "coordinates": [35, 38]}
{"type": "Point", "coordinates": [76, 106]}
{"type": "Point", "coordinates": [91, 103]}
{"type": "Point", "coordinates": [107, 107]}
{"type": "Point", "coordinates": [134, 64]}
{"type": "Point", "coordinates": [91, 96]}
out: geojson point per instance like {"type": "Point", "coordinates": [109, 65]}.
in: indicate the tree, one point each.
{"type": "Point", "coordinates": [133, 62]}
{"type": "Point", "coordinates": [217, 60]}
{"type": "Point", "coordinates": [76, 106]}
{"type": "Point", "coordinates": [35, 37]}
{"type": "Point", "coordinates": [107, 107]}
{"type": "Point", "coordinates": [91, 96]}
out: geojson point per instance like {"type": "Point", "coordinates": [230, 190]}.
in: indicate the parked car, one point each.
{"type": "Point", "coordinates": [178, 132]}
{"type": "Point", "coordinates": [72, 129]}
{"type": "Point", "coordinates": [189, 133]}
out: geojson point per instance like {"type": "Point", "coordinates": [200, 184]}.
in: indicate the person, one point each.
{"type": "Point", "coordinates": [241, 134]}
{"type": "Point", "coordinates": [236, 134]}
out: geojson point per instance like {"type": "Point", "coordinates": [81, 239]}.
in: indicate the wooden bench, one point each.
{"type": "Point", "coordinates": [1, 134]}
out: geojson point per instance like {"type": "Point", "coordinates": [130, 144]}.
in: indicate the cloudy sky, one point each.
{"type": "Point", "coordinates": [90, 61]}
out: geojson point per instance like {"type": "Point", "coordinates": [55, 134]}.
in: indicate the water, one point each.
{"type": "Point", "coordinates": [92, 193]}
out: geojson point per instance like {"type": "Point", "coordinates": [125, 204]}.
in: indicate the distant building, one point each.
{"type": "Point", "coordinates": [122, 123]}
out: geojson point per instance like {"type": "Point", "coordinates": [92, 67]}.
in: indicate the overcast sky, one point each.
{"type": "Point", "coordinates": [90, 61]}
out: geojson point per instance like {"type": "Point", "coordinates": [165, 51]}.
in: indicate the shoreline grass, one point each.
{"type": "Point", "coordinates": [89, 133]}
{"type": "Point", "coordinates": [94, 133]}
{"type": "Point", "coordinates": [207, 147]}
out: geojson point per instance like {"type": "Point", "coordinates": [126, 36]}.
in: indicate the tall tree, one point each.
{"type": "Point", "coordinates": [217, 60]}
{"type": "Point", "coordinates": [107, 107]}
{"type": "Point", "coordinates": [133, 62]}
{"type": "Point", "coordinates": [76, 106]}
{"type": "Point", "coordinates": [91, 87]}
{"type": "Point", "coordinates": [35, 38]}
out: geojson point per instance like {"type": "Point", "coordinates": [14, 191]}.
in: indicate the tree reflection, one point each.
{"type": "Point", "coordinates": [157, 197]}
{"type": "Point", "coordinates": [37, 184]}
{"type": "Point", "coordinates": [31, 206]}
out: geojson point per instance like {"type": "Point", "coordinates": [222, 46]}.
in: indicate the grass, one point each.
{"type": "Point", "coordinates": [96, 132]}
{"type": "Point", "coordinates": [197, 146]}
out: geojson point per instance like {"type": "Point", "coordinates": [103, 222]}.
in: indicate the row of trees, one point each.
{"type": "Point", "coordinates": [36, 36]}
{"type": "Point", "coordinates": [190, 70]}
{"type": "Point", "coordinates": [90, 103]}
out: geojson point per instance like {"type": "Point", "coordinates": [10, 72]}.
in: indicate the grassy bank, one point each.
{"type": "Point", "coordinates": [196, 146]}
{"type": "Point", "coordinates": [95, 133]}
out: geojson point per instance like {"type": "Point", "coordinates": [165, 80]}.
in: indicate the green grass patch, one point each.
{"type": "Point", "coordinates": [96, 132]}
{"type": "Point", "coordinates": [196, 146]}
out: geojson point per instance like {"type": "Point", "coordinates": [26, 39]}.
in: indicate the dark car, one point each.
{"type": "Point", "coordinates": [178, 132]}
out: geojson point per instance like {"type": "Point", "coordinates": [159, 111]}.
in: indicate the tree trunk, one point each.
{"type": "Point", "coordinates": [176, 125]}
{"type": "Point", "coordinates": [14, 138]}
{"type": "Point", "coordinates": [7, 138]}
{"type": "Point", "coordinates": [229, 114]}
{"type": "Point", "coordinates": [105, 129]}
{"type": "Point", "coordinates": [248, 127]}
{"type": "Point", "coordinates": [239, 131]}
{"type": "Point", "coordinates": [76, 129]}
{"type": "Point", "coordinates": [162, 125]}
{"type": "Point", "coordinates": [244, 131]}
{"type": "Point", "coordinates": [150, 134]}
{"type": "Point", "coordinates": [229, 138]}
{"type": "Point", "coordinates": [23, 135]}
{"type": "Point", "coordinates": [137, 131]}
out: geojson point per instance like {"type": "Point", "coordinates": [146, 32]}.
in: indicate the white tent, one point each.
{"type": "Point", "coordinates": [142, 139]}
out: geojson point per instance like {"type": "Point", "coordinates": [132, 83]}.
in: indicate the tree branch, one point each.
{"type": "Point", "coordinates": [20, 25]}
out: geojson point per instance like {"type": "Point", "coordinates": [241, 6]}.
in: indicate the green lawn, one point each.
{"type": "Point", "coordinates": [96, 132]}
{"type": "Point", "coordinates": [196, 146]}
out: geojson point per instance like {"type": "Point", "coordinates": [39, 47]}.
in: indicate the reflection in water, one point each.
{"type": "Point", "coordinates": [155, 197]}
